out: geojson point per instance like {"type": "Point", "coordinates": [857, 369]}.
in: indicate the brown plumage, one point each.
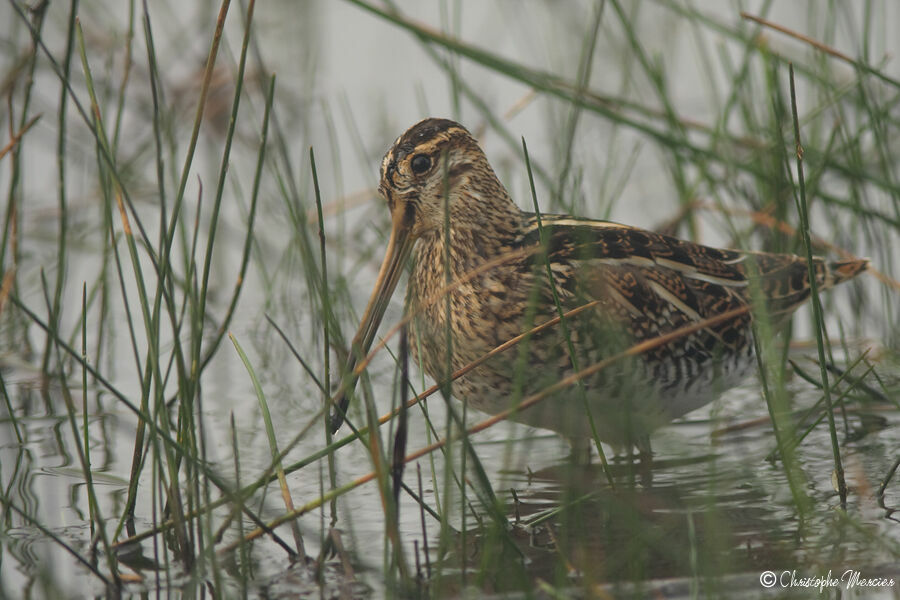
{"type": "Point", "coordinates": [437, 181]}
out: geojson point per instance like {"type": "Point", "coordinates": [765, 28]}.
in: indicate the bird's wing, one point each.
{"type": "Point", "coordinates": [650, 285]}
{"type": "Point", "coordinates": [655, 272]}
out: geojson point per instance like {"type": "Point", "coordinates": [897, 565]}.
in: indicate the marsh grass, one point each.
{"type": "Point", "coordinates": [129, 312]}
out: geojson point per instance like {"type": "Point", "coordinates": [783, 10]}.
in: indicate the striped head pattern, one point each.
{"type": "Point", "coordinates": [437, 163]}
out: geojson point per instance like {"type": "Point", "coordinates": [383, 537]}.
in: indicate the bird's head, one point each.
{"type": "Point", "coordinates": [435, 174]}
{"type": "Point", "coordinates": [435, 165]}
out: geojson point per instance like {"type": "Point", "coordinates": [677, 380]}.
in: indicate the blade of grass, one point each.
{"type": "Point", "coordinates": [213, 345]}
{"type": "Point", "coordinates": [545, 244]}
{"type": "Point", "coordinates": [61, 134]}
{"type": "Point", "coordinates": [244, 551]}
{"type": "Point", "coordinates": [325, 299]}
{"type": "Point", "coordinates": [273, 443]}
{"type": "Point", "coordinates": [823, 48]}
{"type": "Point", "coordinates": [819, 321]}
{"type": "Point", "coordinates": [9, 409]}
{"type": "Point", "coordinates": [14, 203]}
{"type": "Point", "coordinates": [83, 457]}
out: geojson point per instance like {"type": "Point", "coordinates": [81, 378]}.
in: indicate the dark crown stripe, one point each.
{"type": "Point", "coordinates": [425, 131]}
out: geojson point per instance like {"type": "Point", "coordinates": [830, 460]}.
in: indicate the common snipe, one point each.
{"type": "Point", "coordinates": [637, 284]}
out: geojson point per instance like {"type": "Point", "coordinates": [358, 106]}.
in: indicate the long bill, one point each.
{"type": "Point", "coordinates": [400, 246]}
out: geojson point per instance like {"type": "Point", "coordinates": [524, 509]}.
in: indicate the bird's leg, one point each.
{"type": "Point", "coordinates": [581, 450]}
{"type": "Point", "coordinates": [645, 455]}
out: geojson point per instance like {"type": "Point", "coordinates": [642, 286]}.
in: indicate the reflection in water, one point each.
{"type": "Point", "coordinates": [704, 515]}
{"type": "Point", "coordinates": [707, 521]}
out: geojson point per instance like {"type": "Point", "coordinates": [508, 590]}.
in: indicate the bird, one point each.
{"type": "Point", "coordinates": [486, 271]}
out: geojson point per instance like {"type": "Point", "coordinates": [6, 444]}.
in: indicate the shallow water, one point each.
{"type": "Point", "coordinates": [709, 514]}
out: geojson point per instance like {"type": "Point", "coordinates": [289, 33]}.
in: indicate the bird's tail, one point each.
{"type": "Point", "coordinates": [841, 271]}
{"type": "Point", "coordinates": [785, 279]}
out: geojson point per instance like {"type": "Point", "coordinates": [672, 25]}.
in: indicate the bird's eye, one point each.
{"type": "Point", "coordinates": [420, 163]}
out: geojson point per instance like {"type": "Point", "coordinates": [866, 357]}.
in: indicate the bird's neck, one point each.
{"type": "Point", "coordinates": [473, 238]}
